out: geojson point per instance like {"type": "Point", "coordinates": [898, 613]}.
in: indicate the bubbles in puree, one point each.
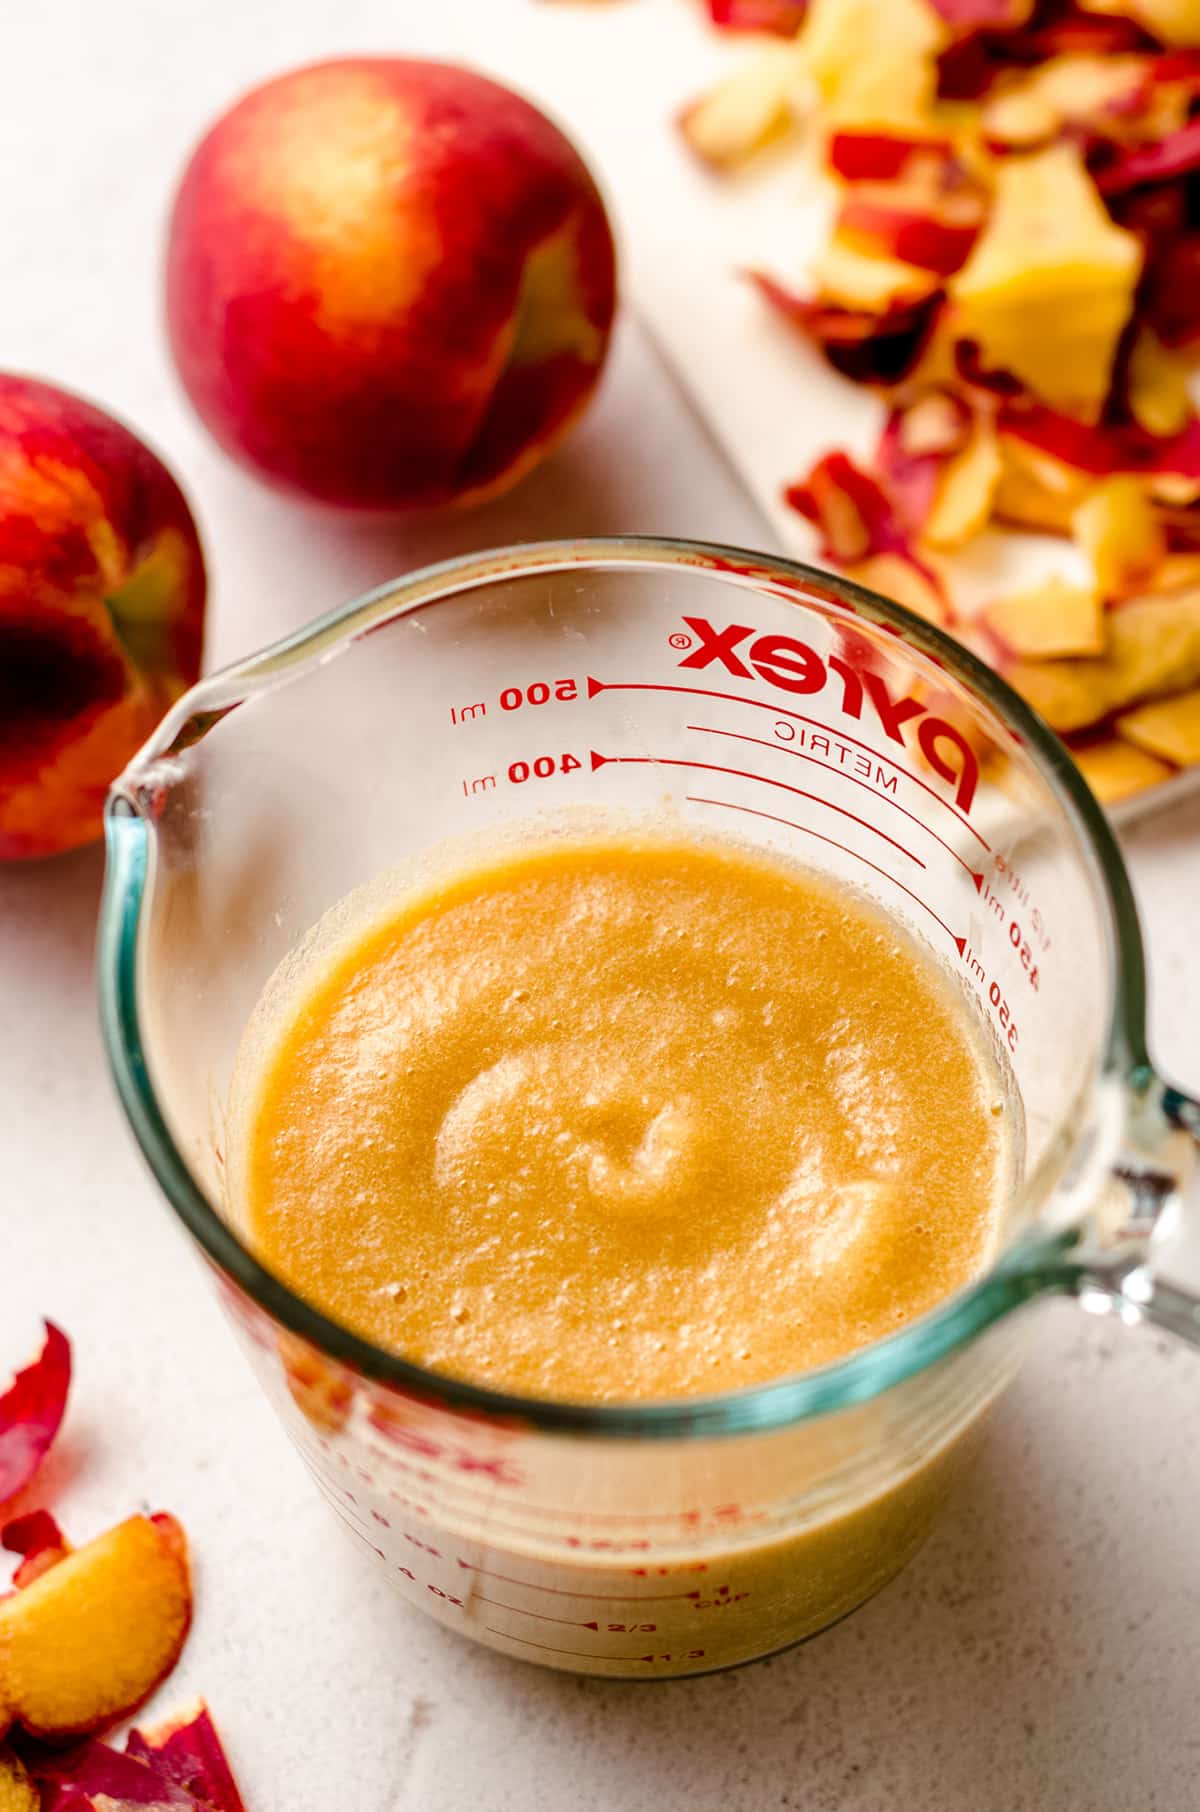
{"type": "Point", "coordinates": [624, 1119]}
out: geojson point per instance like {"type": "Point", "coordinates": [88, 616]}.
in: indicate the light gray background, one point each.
{"type": "Point", "coordinates": [1043, 1651]}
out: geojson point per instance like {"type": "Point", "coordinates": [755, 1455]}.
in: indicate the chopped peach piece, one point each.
{"type": "Point", "coordinates": [874, 61]}
{"type": "Point", "coordinates": [1116, 770]}
{"type": "Point", "coordinates": [1169, 728]}
{"type": "Point", "coordinates": [966, 491]}
{"type": "Point", "coordinates": [17, 1791]}
{"type": "Point", "coordinates": [746, 110]}
{"type": "Point", "coordinates": [1051, 620]}
{"type": "Point", "coordinates": [88, 1641]}
{"type": "Point", "coordinates": [1049, 286]}
{"type": "Point", "coordinates": [1035, 490]}
{"type": "Point", "coordinates": [1174, 21]}
{"type": "Point", "coordinates": [860, 281]}
{"type": "Point", "coordinates": [1158, 388]}
{"type": "Point", "coordinates": [1118, 530]}
{"type": "Point", "coordinates": [895, 577]}
{"type": "Point", "coordinates": [1153, 647]}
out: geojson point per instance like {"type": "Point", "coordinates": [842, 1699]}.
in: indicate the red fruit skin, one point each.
{"type": "Point", "coordinates": [33, 1405]}
{"type": "Point", "coordinates": [102, 590]}
{"type": "Point", "coordinates": [390, 283]}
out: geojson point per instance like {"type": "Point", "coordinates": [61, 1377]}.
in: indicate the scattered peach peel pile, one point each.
{"type": "Point", "coordinates": [86, 1635]}
{"type": "Point", "coordinates": [1014, 267]}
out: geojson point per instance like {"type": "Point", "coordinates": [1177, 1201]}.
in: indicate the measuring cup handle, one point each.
{"type": "Point", "coordinates": [1160, 1232]}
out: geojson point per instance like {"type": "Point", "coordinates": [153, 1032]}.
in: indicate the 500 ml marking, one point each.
{"type": "Point", "coordinates": [538, 692]}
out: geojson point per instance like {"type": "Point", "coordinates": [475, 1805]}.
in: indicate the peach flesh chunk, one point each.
{"type": "Point", "coordinates": [1116, 770]}
{"type": "Point", "coordinates": [17, 1791]}
{"type": "Point", "coordinates": [89, 1640]}
{"type": "Point", "coordinates": [1153, 648]}
{"type": "Point", "coordinates": [1169, 729]}
{"type": "Point", "coordinates": [1049, 286]}
{"type": "Point", "coordinates": [1054, 619]}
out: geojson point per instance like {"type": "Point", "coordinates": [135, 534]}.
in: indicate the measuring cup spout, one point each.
{"type": "Point", "coordinates": [1150, 1246]}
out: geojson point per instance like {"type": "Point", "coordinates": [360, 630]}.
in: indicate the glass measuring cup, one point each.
{"type": "Point", "coordinates": [741, 694]}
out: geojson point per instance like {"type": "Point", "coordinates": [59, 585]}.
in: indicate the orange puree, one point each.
{"type": "Point", "coordinates": [623, 1119]}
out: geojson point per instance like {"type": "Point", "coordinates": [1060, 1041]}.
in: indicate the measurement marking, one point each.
{"type": "Point", "coordinates": [712, 767]}
{"type": "Point", "coordinates": [828, 767]}
{"type": "Point", "coordinates": [531, 1585]}
{"type": "Point", "coordinates": [763, 704]}
{"type": "Point", "coordinates": [583, 1654]}
{"type": "Point", "coordinates": [958, 942]}
{"type": "Point", "coordinates": [576, 1623]}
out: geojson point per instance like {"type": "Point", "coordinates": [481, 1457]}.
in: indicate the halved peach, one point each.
{"type": "Point", "coordinates": [89, 1640]}
{"type": "Point", "coordinates": [1169, 728]}
{"type": "Point", "coordinates": [17, 1791]}
{"type": "Point", "coordinates": [1115, 770]}
{"type": "Point", "coordinates": [1049, 621]}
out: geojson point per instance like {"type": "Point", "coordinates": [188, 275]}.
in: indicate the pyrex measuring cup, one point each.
{"type": "Point", "coordinates": [743, 695]}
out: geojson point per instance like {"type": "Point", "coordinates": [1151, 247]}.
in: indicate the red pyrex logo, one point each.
{"type": "Point", "coordinates": [795, 667]}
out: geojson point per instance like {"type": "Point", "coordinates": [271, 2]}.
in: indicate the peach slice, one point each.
{"type": "Point", "coordinates": [31, 1410]}
{"type": "Point", "coordinates": [17, 1791]}
{"type": "Point", "coordinates": [752, 106]}
{"type": "Point", "coordinates": [1169, 728]}
{"type": "Point", "coordinates": [90, 1639]}
{"type": "Point", "coordinates": [1117, 528]}
{"type": "Point", "coordinates": [1116, 770]}
{"type": "Point", "coordinates": [966, 491]}
{"type": "Point", "coordinates": [1049, 621]}
{"type": "Point", "coordinates": [1153, 648]}
{"type": "Point", "coordinates": [1049, 286]}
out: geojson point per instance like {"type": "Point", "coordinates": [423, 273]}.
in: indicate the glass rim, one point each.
{"type": "Point", "coordinates": [1035, 1264]}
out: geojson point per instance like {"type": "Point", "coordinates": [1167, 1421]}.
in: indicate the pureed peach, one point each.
{"type": "Point", "coordinates": [630, 1118]}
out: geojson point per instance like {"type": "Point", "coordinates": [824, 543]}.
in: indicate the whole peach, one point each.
{"type": "Point", "coordinates": [102, 591]}
{"type": "Point", "coordinates": [389, 283]}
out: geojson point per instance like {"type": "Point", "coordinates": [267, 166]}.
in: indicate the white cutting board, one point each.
{"type": "Point", "coordinates": [617, 73]}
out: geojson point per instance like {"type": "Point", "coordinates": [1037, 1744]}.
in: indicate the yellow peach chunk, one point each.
{"type": "Point", "coordinates": [17, 1791]}
{"type": "Point", "coordinates": [1035, 490]}
{"type": "Point", "coordinates": [1117, 528]}
{"type": "Point", "coordinates": [89, 1640]}
{"type": "Point", "coordinates": [1158, 387]}
{"type": "Point", "coordinates": [1169, 728]}
{"type": "Point", "coordinates": [1174, 21]}
{"type": "Point", "coordinates": [860, 281]}
{"type": "Point", "coordinates": [1049, 621]}
{"type": "Point", "coordinates": [1049, 286]}
{"type": "Point", "coordinates": [747, 110]}
{"type": "Point", "coordinates": [1153, 648]}
{"type": "Point", "coordinates": [966, 491]}
{"type": "Point", "coordinates": [874, 61]}
{"type": "Point", "coordinates": [1116, 770]}
{"type": "Point", "coordinates": [896, 578]}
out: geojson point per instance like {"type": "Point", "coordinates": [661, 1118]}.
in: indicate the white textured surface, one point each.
{"type": "Point", "coordinates": [1043, 1651]}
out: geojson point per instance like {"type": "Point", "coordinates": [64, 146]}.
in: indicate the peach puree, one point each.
{"type": "Point", "coordinates": [625, 1118]}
